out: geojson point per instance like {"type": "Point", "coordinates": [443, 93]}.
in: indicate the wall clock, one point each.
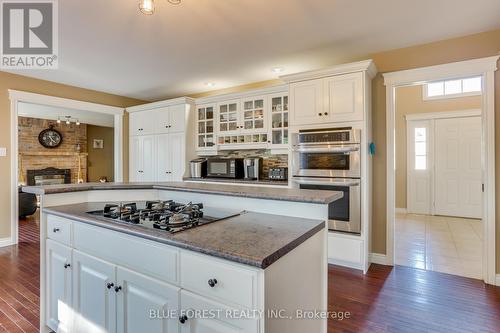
{"type": "Point", "coordinates": [50, 138]}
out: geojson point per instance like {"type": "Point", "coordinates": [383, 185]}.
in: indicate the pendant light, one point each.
{"type": "Point", "coordinates": [147, 6]}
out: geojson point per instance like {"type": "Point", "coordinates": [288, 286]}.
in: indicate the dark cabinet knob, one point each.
{"type": "Point", "coordinates": [320, 114]}
{"type": "Point", "coordinates": [118, 288]}
{"type": "Point", "coordinates": [212, 282]}
{"type": "Point", "coordinates": [110, 285]}
{"type": "Point", "coordinates": [67, 265]}
{"type": "Point", "coordinates": [183, 319]}
{"type": "Point", "coordinates": [326, 113]}
{"type": "Point", "coordinates": [56, 230]}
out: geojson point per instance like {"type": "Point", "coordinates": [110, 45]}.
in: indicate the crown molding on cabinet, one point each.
{"type": "Point", "coordinates": [243, 94]}
{"type": "Point", "coordinates": [367, 66]}
{"type": "Point", "coordinates": [160, 104]}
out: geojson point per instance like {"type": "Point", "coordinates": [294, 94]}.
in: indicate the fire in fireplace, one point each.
{"type": "Point", "coordinates": [48, 176]}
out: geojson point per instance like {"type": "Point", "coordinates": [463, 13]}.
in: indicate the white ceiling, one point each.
{"type": "Point", "coordinates": [110, 46]}
{"type": "Point", "coordinates": [52, 113]}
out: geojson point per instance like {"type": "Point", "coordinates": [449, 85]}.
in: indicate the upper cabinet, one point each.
{"type": "Point", "coordinates": [228, 117]}
{"type": "Point", "coordinates": [279, 119]}
{"type": "Point", "coordinates": [334, 95]}
{"type": "Point", "coordinates": [253, 115]}
{"type": "Point", "coordinates": [205, 126]}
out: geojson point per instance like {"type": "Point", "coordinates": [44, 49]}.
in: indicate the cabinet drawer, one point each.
{"type": "Point", "coordinates": [59, 229]}
{"type": "Point", "coordinates": [138, 254]}
{"type": "Point", "coordinates": [234, 284]}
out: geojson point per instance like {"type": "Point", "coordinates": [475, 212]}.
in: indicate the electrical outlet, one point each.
{"type": "Point", "coordinates": [3, 151]}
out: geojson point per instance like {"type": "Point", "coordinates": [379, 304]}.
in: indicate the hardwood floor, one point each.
{"type": "Point", "coordinates": [387, 299]}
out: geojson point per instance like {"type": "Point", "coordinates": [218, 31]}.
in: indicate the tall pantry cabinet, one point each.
{"type": "Point", "coordinates": [160, 143]}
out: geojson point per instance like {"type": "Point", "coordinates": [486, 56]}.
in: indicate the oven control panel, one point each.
{"type": "Point", "coordinates": [328, 136]}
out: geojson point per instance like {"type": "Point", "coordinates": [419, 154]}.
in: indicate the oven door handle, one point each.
{"type": "Point", "coordinates": [326, 149]}
{"type": "Point", "coordinates": [332, 182]}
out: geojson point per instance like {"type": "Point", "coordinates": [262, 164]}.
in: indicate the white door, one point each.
{"type": "Point", "coordinates": [58, 275]}
{"type": "Point", "coordinates": [307, 102]}
{"type": "Point", "coordinates": [217, 324]}
{"type": "Point", "coordinates": [177, 120]}
{"type": "Point", "coordinates": [458, 167]}
{"type": "Point", "coordinates": [419, 166]}
{"type": "Point", "coordinates": [141, 299]}
{"type": "Point", "coordinates": [345, 97]}
{"type": "Point", "coordinates": [148, 156]}
{"type": "Point", "coordinates": [94, 300]}
{"type": "Point", "coordinates": [163, 149]}
{"type": "Point", "coordinates": [162, 120]}
{"type": "Point", "coordinates": [142, 123]}
{"type": "Point", "coordinates": [177, 156]}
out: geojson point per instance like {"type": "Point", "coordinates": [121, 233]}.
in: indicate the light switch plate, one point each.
{"type": "Point", "coordinates": [3, 151]}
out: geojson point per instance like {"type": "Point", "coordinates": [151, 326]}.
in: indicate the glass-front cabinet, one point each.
{"type": "Point", "coordinates": [205, 127]}
{"type": "Point", "coordinates": [278, 111]}
{"type": "Point", "coordinates": [253, 113]}
{"type": "Point", "coordinates": [228, 117]}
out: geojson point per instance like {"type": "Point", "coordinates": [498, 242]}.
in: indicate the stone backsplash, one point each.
{"type": "Point", "coordinates": [268, 160]}
{"type": "Point", "coordinates": [34, 156]}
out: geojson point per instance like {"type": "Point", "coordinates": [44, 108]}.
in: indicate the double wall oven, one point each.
{"type": "Point", "coordinates": [329, 160]}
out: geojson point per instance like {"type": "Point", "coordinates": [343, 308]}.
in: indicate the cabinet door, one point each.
{"type": "Point", "coordinates": [163, 148]}
{"type": "Point", "coordinates": [94, 300]}
{"type": "Point", "coordinates": [177, 145]}
{"type": "Point", "coordinates": [307, 102]}
{"type": "Point", "coordinates": [278, 115]}
{"type": "Point", "coordinates": [162, 120]}
{"type": "Point", "coordinates": [59, 292]}
{"type": "Point", "coordinates": [253, 117]}
{"type": "Point", "coordinates": [345, 97]}
{"type": "Point", "coordinates": [218, 324]}
{"type": "Point", "coordinates": [149, 158]}
{"type": "Point", "coordinates": [135, 158]}
{"type": "Point", "coordinates": [228, 117]}
{"type": "Point", "coordinates": [177, 121]}
{"type": "Point", "coordinates": [140, 299]}
{"type": "Point", "coordinates": [142, 122]}
{"type": "Point", "coordinates": [205, 127]}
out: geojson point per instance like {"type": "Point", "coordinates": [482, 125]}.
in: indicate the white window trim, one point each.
{"type": "Point", "coordinates": [425, 97]}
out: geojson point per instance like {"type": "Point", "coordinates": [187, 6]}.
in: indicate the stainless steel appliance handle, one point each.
{"type": "Point", "coordinates": [328, 181]}
{"type": "Point", "coordinates": [348, 149]}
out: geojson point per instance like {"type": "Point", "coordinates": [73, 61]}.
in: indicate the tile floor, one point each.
{"type": "Point", "coordinates": [437, 243]}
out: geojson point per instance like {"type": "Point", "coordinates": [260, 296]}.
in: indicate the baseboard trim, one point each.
{"type": "Point", "coordinates": [497, 280]}
{"type": "Point", "coordinates": [5, 242]}
{"type": "Point", "coordinates": [345, 263]}
{"type": "Point", "coordinates": [378, 258]}
{"type": "Point", "coordinates": [401, 210]}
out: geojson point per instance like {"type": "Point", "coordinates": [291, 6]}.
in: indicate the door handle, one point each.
{"type": "Point", "coordinates": [67, 265]}
{"type": "Point", "coordinates": [110, 285]}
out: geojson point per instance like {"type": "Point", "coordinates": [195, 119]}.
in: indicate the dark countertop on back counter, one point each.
{"type": "Point", "coordinates": [256, 192]}
{"type": "Point", "coordinates": [253, 239]}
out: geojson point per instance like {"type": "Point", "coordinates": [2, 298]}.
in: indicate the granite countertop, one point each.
{"type": "Point", "coordinates": [239, 181]}
{"type": "Point", "coordinates": [256, 192]}
{"type": "Point", "coordinates": [253, 239]}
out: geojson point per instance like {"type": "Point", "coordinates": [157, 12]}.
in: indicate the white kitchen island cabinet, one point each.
{"type": "Point", "coordinates": [99, 275]}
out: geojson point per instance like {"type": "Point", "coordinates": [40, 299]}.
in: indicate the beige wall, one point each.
{"type": "Point", "coordinates": [409, 101]}
{"type": "Point", "coordinates": [18, 82]}
{"type": "Point", "coordinates": [457, 49]}
{"type": "Point", "coordinates": [100, 161]}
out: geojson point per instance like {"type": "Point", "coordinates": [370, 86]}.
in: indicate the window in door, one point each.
{"type": "Point", "coordinates": [420, 148]}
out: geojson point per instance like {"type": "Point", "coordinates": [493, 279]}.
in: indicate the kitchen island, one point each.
{"type": "Point", "coordinates": [253, 272]}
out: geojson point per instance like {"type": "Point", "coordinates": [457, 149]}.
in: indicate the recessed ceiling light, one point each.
{"type": "Point", "coordinates": [210, 84]}
{"type": "Point", "coordinates": [277, 69]}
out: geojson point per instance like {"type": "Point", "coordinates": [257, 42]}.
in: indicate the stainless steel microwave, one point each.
{"type": "Point", "coordinates": [225, 168]}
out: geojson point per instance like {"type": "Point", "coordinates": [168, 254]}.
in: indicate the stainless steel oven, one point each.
{"type": "Point", "coordinates": [327, 153]}
{"type": "Point", "coordinates": [329, 160]}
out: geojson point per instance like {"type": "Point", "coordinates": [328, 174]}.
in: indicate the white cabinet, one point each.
{"type": "Point", "coordinates": [253, 117]}
{"type": "Point", "coordinates": [190, 303]}
{"type": "Point", "coordinates": [205, 127]}
{"type": "Point", "coordinates": [170, 157]}
{"type": "Point", "coordinates": [139, 295]}
{"type": "Point", "coordinates": [161, 154]}
{"type": "Point", "coordinates": [94, 301]}
{"type": "Point", "coordinates": [278, 115]}
{"type": "Point", "coordinates": [228, 117]}
{"type": "Point", "coordinates": [338, 98]}
{"type": "Point", "coordinates": [142, 153]}
{"type": "Point", "coordinates": [345, 97]}
{"type": "Point", "coordinates": [307, 102]}
{"type": "Point", "coordinates": [58, 284]}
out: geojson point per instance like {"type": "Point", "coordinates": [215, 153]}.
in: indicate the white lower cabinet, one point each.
{"type": "Point", "coordinates": [216, 322]}
{"type": "Point", "coordinates": [94, 301]}
{"type": "Point", "coordinates": [171, 157]}
{"type": "Point", "coordinates": [144, 303]}
{"type": "Point", "coordinates": [58, 274]}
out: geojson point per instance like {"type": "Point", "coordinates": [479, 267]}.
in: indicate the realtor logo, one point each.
{"type": "Point", "coordinates": [29, 34]}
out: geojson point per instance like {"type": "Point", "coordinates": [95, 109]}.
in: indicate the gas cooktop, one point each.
{"type": "Point", "coordinates": [169, 216]}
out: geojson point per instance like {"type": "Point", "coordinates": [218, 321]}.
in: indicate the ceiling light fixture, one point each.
{"type": "Point", "coordinates": [147, 7]}
{"type": "Point", "coordinates": [77, 122]}
{"type": "Point", "coordinates": [277, 70]}
{"type": "Point", "coordinates": [210, 84]}
{"type": "Point", "coordinates": [58, 120]}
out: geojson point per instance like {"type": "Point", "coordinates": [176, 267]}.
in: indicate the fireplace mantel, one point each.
{"type": "Point", "coordinates": [48, 153]}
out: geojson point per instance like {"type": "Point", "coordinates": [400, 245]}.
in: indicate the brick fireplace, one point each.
{"type": "Point", "coordinates": [34, 157]}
